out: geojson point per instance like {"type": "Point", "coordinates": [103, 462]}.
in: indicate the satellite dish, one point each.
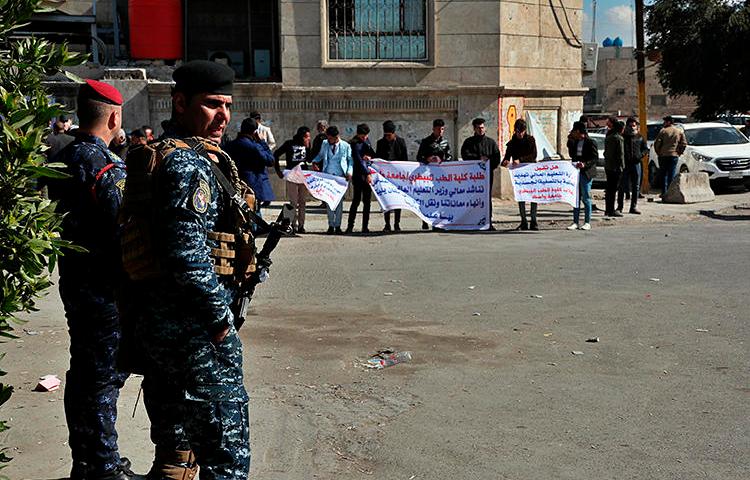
{"type": "Point", "coordinates": [617, 42]}
{"type": "Point", "coordinates": [607, 42]}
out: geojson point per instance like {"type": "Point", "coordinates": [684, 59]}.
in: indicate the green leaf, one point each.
{"type": "Point", "coordinates": [40, 171]}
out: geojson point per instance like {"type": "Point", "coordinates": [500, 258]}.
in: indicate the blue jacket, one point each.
{"type": "Point", "coordinates": [252, 158]}
{"type": "Point", "coordinates": [339, 163]}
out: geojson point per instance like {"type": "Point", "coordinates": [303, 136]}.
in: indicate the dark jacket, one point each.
{"type": "Point", "coordinates": [521, 149]}
{"type": "Point", "coordinates": [252, 157]}
{"type": "Point", "coordinates": [430, 146]}
{"type": "Point", "coordinates": [589, 156]}
{"type": "Point", "coordinates": [635, 148]}
{"type": "Point", "coordinates": [614, 152]}
{"type": "Point", "coordinates": [295, 153]}
{"type": "Point", "coordinates": [478, 146]}
{"type": "Point", "coordinates": [359, 150]}
{"type": "Point", "coordinates": [393, 151]}
{"type": "Point", "coordinates": [317, 143]}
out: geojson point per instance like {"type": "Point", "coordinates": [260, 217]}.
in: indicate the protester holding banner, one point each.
{"type": "Point", "coordinates": [584, 154]}
{"type": "Point", "coordinates": [434, 149]}
{"type": "Point", "coordinates": [297, 152]}
{"type": "Point", "coordinates": [392, 148]}
{"type": "Point", "coordinates": [335, 158]}
{"type": "Point", "coordinates": [481, 147]}
{"type": "Point", "coordinates": [362, 152]}
{"type": "Point", "coordinates": [522, 149]}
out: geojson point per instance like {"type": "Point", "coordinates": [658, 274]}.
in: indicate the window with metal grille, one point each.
{"type": "Point", "coordinates": [377, 30]}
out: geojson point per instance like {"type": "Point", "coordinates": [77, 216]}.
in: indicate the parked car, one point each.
{"type": "Point", "coordinates": [716, 148]}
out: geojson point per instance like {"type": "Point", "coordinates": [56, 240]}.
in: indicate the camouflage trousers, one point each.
{"type": "Point", "coordinates": [93, 381]}
{"type": "Point", "coordinates": [195, 398]}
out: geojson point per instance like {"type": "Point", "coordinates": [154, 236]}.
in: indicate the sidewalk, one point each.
{"type": "Point", "coordinates": [551, 216]}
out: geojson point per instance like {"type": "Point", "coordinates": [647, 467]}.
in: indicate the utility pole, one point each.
{"type": "Point", "coordinates": [593, 22]}
{"type": "Point", "coordinates": [640, 58]}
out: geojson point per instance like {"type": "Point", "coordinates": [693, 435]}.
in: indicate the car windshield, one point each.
{"type": "Point", "coordinates": [599, 142]}
{"type": "Point", "coordinates": [714, 136]}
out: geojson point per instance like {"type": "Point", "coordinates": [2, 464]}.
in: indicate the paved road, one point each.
{"type": "Point", "coordinates": [493, 391]}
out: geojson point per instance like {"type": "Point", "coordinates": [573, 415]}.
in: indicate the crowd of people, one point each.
{"type": "Point", "coordinates": [255, 151]}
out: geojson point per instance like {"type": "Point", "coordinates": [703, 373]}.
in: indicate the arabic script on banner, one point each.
{"type": "Point", "coordinates": [546, 182]}
{"type": "Point", "coordinates": [453, 195]}
{"type": "Point", "coordinates": [327, 188]}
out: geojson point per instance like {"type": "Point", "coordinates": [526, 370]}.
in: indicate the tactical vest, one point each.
{"type": "Point", "coordinates": [234, 252]}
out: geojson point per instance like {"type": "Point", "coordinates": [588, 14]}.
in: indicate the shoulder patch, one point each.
{"type": "Point", "coordinates": [201, 197]}
{"type": "Point", "coordinates": [120, 184]}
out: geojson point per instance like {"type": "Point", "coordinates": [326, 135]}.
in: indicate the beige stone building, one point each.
{"type": "Point", "coordinates": [352, 61]}
{"type": "Point", "coordinates": [614, 88]}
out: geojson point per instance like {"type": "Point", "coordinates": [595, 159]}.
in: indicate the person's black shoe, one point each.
{"type": "Point", "coordinates": [534, 226]}
{"type": "Point", "coordinates": [397, 227]}
{"type": "Point", "coordinates": [349, 229]}
{"type": "Point", "coordinates": [640, 195]}
{"type": "Point", "coordinates": [425, 226]}
{"type": "Point", "coordinates": [365, 230]}
{"type": "Point", "coordinates": [330, 231]}
{"type": "Point", "coordinates": [387, 228]}
{"type": "Point", "coordinates": [523, 226]}
{"type": "Point", "coordinates": [616, 213]}
{"type": "Point", "coordinates": [338, 231]}
{"type": "Point", "coordinates": [492, 228]}
{"type": "Point", "coordinates": [79, 471]}
{"type": "Point", "coordinates": [301, 230]}
{"type": "Point", "coordinates": [635, 211]}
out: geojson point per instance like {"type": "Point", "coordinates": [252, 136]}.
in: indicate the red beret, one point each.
{"type": "Point", "coordinates": [100, 92]}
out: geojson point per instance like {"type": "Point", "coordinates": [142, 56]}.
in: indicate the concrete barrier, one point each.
{"type": "Point", "coordinates": [689, 188]}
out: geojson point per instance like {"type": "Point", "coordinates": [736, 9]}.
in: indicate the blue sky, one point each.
{"type": "Point", "coordinates": [614, 18]}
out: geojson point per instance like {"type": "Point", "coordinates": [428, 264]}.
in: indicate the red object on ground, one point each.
{"type": "Point", "coordinates": [155, 29]}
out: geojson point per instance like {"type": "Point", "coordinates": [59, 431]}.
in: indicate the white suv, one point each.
{"type": "Point", "coordinates": [716, 148]}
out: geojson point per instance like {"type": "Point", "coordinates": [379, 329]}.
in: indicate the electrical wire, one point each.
{"type": "Point", "coordinates": [562, 29]}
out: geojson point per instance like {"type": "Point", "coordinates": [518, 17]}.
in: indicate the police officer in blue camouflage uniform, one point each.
{"type": "Point", "coordinates": [90, 196]}
{"type": "Point", "coordinates": [193, 384]}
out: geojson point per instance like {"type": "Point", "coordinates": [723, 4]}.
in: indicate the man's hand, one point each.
{"type": "Point", "coordinates": [315, 167]}
{"type": "Point", "coordinates": [579, 165]}
{"type": "Point", "coordinates": [220, 336]}
{"type": "Point", "coordinates": [281, 175]}
{"type": "Point", "coordinates": [366, 158]}
{"type": "Point", "coordinates": [484, 157]}
{"type": "Point", "coordinates": [348, 177]}
{"type": "Point", "coordinates": [369, 179]}
{"type": "Point", "coordinates": [504, 163]}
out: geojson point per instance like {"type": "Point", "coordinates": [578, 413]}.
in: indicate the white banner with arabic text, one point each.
{"type": "Point", "coordinates": [546, 182]}
{"type": "Point", "coordinates": [452, 195]}
{"type": "Point", "coordinates": [323, 186]}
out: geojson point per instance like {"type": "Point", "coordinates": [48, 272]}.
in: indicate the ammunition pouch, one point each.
{"type": "Point", "coordinates": [234, 255]}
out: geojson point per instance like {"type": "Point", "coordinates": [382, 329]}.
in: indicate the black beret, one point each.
{"type": "Point", "coordinates": [204, 76]}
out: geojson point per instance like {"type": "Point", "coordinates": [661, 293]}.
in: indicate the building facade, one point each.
{"type": "Point", "coordinates": [614, 88]}
{"type": "Point", "coordinates": [353, 61]}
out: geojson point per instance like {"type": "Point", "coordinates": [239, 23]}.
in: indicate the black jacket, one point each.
{"type": "Point", "coordinates": [521, 149]}
{"type": "Point", "coordinates": [478, 146]}
{"type": "Point", "coordinates": [438, 147]}
{"type": "Point", "coordinates": [635, 148]}
{"type": "Point", "coordinates": [317, 144]}
{"type": "Point", "coordinates": [393, 151]}
{"type": "Point", "coordinates": [589, 156]}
